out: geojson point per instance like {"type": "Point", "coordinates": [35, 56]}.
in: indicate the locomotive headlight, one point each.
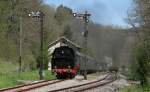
{"type": "Point", "coordinates": [69, 68]}
{"type": "Point", "coordinates": [62, 52]}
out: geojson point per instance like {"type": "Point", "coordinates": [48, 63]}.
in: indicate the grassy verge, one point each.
{"type": "Point", "coordinates": [34, 75]}
{"type": "Point", "coordinates": [132, 89]}
{"type": "Point", "coordinates": [9, 76]}
{"type": "Point", "coordinates": [11, 79]}
{"type": "Point", "coordinates": [135, 88]}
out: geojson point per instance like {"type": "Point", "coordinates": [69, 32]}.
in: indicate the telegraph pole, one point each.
{"type": "Point", "coordinates": [20, 47]}
{"type": "Point", "coordinates": [85, 18]}
{"type": "Point", "coordinates": [40, 15]}
{"type": "Point", "coordinates": [41, 73]}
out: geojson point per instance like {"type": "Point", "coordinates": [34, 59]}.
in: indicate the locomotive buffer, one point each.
{"type": "Point", "coordinates": [85, 18]}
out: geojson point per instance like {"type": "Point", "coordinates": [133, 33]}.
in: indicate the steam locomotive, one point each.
{"type": "Point", "coordinates": [66, 62]}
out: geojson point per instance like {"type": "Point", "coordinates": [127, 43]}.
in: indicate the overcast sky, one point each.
{"type": "Point", "coordinates": [107, 12]}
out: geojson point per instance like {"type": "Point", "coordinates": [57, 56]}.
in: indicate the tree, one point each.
{"type": "Point", "coordinates": [8, 27]}
{"type": "Point", "coordinates": [142, 64]}
{"type": "Point", "coordinates": [63, 14]}
{"type": "Point", "coordinates": [140, 21]}
{"type": "Point", "coordinates": [67, 32]}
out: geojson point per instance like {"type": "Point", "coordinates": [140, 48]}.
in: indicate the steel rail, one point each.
{"type": "Point", "coordinates": [22, 85]}
{"type": "Point", "coordinates": [38, 86]}
{"type": "Point", "coordinates": [30, 86]}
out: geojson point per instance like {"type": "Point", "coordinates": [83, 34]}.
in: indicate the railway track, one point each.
{"type": "Point", "coordinates": [88, 86]}
{"type": "Point", "coordinates": [28, 87]}
{"type": "Point", "coordinates": [78, 88]}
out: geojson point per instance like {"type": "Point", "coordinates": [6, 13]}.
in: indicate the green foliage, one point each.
{"type": "Point", "coordinates": [140, 69]}
{"type": "Point", "coordinates": [33, 75]}
{"type": "Point", "coordinates": [141, 65]}
{"type": "Point", "coordinates": [9, 76]}
{"type": "Point", "coordinates": [132, 89]}
{"type": "Point", "coordinates": [135, 88]}
{"type": "Point", "coordinates": [7, 67]}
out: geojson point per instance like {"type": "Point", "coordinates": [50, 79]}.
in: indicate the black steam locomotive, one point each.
{"type": "Point", "coordinates": [66, 62]}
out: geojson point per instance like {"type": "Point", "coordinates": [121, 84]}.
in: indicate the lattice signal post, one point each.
{"type": "Point", "coordinates": [40, 15]}
{"type": "Point", "coordinates": [85, 17]}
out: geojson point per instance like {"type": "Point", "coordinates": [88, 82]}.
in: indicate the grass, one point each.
{"type": "Point", "coordinates": [9, 76]}
{"type": "Point", "coordinates": [12, 79]}
{"type": "Point", "coordinates": [132, 89]}
{"type": "Point", "coordinates": [135, 88]}
{"type": "Point", "coordinates": [34, 75]}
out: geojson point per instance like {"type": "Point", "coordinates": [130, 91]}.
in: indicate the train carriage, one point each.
{"type": "Point", "coordinates": [87, 63]}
